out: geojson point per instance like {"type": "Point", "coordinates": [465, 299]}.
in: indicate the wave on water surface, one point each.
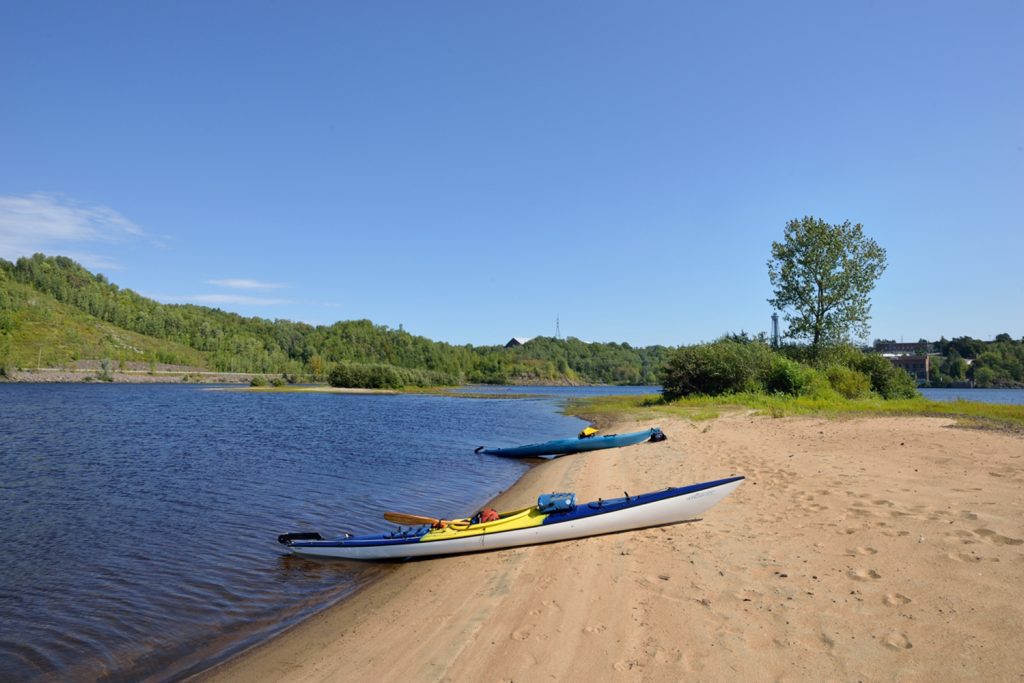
{"type": "Point", "coordinates": [143, 518]}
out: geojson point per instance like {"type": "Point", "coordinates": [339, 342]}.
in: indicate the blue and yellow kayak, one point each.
{"type": "Point", "coordinates": [578, 445]}
{"type": "Point", "coordinates": [541, 523]}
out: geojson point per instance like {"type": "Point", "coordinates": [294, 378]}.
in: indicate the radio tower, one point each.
{"type": "Point", "coordinates": [558, 328]}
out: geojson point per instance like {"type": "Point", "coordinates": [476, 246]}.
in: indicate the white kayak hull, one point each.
{"type": "Point", "coordinates": [589, 521]}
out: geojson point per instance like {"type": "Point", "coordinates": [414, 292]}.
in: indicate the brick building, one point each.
{"type": "Point", "coordinates": [917, 366]}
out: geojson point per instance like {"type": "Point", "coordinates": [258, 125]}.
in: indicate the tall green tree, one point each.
{"type": "Point", "coordinates": [821, 276]}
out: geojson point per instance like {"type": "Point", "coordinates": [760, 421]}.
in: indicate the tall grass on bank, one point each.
{"type": "Point", "coordinates": [966, 413]}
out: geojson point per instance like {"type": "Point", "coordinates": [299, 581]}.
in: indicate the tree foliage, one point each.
{"type": "Point", "coordinates": [728, 366]}
{"type": "Point", "coordinates": [994, 364]}
{"type": "Point", "coordinates": [232, 343]}
{"type": "Point", "coordinates": [383, 376]}
{"type": "Point", "coordinates": [821, 276]}
{"type": "Point", "coordinates": [724, 367]}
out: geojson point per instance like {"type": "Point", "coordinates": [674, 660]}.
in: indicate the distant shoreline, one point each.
{"type": "Point", "coordinates": [87, 372]}
{"type": "Point", "coordinates": [86, 376]}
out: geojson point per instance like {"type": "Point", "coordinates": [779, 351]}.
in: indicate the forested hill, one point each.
{"type": "Point", "coordinates": [41, 288]}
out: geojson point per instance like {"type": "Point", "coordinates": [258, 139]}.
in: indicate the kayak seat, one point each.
{"type": "Point", "coordinates": [286, 539]}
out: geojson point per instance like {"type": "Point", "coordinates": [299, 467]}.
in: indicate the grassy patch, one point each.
{"type": "Point", "coordinates": [47, 333]}
{"type": "Point", "coordinates": [697, 408]}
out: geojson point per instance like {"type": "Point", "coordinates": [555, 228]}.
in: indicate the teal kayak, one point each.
{"type": "Point", "coordinates": [579, 445]}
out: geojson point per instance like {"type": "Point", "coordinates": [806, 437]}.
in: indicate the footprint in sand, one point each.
{"type": "Point", "coordinates": [998, 539]}
{"type": "Point", "coordinates": [626, 664]}
{"type": "Point", "coordinates": [863, 574]}
{"type": "Point", "coordinates": [963, 557]}
{"type": "Point", "coordinates": [862, 550]}
{"type": "Point", "coordinates": [521, 634]}
{"type": "Point", "coordinates": [896, 599]}
{"type": "Point", "coordinates": [595, 628]}
{"type": "Point", "coordinates": [747, 595]}
{"type": "Point", "coordinates": [897, 641]}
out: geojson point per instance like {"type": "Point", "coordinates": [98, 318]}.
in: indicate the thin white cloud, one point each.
{"type": "Point", "coordinates": [50, 223]}
{"type": "Point", "coordinates": [245, 284]}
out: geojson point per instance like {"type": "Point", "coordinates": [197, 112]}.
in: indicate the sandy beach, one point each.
{"type": "Point", "coordinates": [859, 549]}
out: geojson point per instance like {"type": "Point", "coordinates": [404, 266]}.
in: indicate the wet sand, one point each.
{"type": "Point", "coordinates": [868, 549]}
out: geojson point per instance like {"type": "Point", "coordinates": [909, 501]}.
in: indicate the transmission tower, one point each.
{"type": "Point", "coordinates": [558, 329]}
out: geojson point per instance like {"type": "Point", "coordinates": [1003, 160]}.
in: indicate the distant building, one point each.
{"type": "Point", "coordinates": [517, 341]}
{"type": "Point", "coordinates": [900, 348]}
{"type": "Point", "coordinates": [917, 366]}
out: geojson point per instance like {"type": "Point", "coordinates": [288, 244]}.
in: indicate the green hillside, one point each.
{"type": "Point", "coordinates": [36, 330]}
{"type": "Point", "coordinates": [52, 311]}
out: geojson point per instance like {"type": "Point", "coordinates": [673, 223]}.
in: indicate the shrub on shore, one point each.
{"type": "Point", "coordinates": [383, 376]}
{"type": "Point", "coordinates": [887, 380]}
{"type": "Point", "coordinates": [786, 376]}
{"type": "Point", "coordinates": [729, 366]}
{"type": "Point", "coordinates": [848, 382]}
{"type": "Point", "coordinates": [724, 367]}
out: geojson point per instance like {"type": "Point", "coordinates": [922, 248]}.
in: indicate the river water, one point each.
{"type": "Point", "coordinates": [1011, 396]}
{"type": "Point", "coordinates": [139, 522]}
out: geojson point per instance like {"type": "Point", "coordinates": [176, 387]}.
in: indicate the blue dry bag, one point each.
{"type": "Point", "coordinates": [556, 502]}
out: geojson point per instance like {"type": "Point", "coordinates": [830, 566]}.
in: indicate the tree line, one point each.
{"type": "Point", "coordinates": [991, 364]}
{"type": "Point", "coordinates": [234, 343]}
{"type": "Point", "coordinates": [821, 276]}
{"type": "Point", "coordinates": [998, 363]}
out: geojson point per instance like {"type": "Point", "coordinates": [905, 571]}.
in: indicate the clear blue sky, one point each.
{"type": "Point", "coordinates": [473, 170]}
